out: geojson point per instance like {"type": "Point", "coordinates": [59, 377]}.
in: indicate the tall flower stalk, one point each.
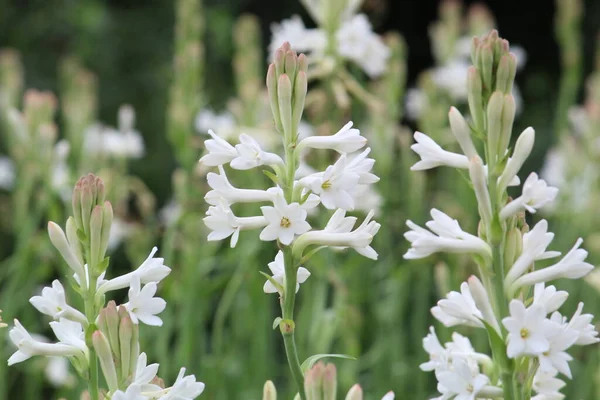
{"type": "Point", "coordinates": [527, 334]}
{"type": "Point", "coordinates": [285, 221]}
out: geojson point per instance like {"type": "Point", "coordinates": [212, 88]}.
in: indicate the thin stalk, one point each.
{"type": "Point", "coordinates": [288, 327]}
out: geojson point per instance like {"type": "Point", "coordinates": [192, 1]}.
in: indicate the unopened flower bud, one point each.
{"type": "Point", "coordinates": [300, 90]}
{"type": "Point", "coordinates": [512, 251]}
{"type": "Point", "coordinates": [482, 301]}
{"type": "Point", "coordinates": [330, 382]}
{"type": "Point", "coordinates": [269, 391]}
{"type": "Point", "coordinates": [105, 356]}
{"type": "Point", "coordinates": [95, 238]}
{"type": "Point", "coordinates": [59, 240]}
{"type": "Point", "coordinates": [486, 67]}
{"type": "Point", "coordinates": [494, 126]}
{"type": "Point", "coordinates": [291, 59]}
{"type": "Point", "coordinates": [284, 99]}
{"type": "Point", "coordinates": [355, 393]}
{"type": "Point", "coordinates": [474, 93]}
{"type": "Point", "coordinates": [522, 150]}
{"type": "Point", "coordinates": [462, 132]}
{"type": "Point", "coordinates": [508, 117]}
{"type": "Point", "coordinates": [505, 76]}
{"type": "Point", "coordinates": [313, 382]}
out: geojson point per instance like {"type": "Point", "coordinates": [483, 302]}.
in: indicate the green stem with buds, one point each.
{"type": "Point", "coordinates": [90, 313]}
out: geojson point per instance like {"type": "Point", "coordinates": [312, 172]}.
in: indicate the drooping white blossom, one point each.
{"type": "Point", "coordinates": [446, 235]}
{"type": "Point", "coordinates": [346, 140]}
{"type": "Point", "coordinates": [142, 305]}
{"type": "Point", "coordinates": [223, 223]}
{"type": "Point", "coordinates": [251, 155]}
{"type": "Point", "coordinates": [144, 374]}
{"type": "Point", "coordinates": [224, 192]}
{"type": "Point", "coordinates": [432, 155]}
{"type": "Point", "coordinates": [184, 388]}
{"type": "Point", "coordinates": [277, 268]}
{"type": "Point", "coordinates": [458, 309]}
{"type": "Point", "coordinates": [580, 324]}
{"type": "Point", "coordinates": [285, 221]}
{"type": "Point", "coordinates": [53, 302]}
{"type": "Point", "coordinates": [220, 151]}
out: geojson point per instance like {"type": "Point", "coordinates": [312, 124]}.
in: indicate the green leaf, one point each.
{"type": "Point", "coordinates": [312, 360]}
{"type": "Point", "coordinates": [273, 281]}
{"type": "Point", "coordinates": [498, 346]}
{"type": "Point", "coordinates": [271, 176]}
{"type": "Point", "coordinates": [276, 322]}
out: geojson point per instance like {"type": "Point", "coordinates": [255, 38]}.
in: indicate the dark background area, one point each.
{"type": "Point", "coordinates": [128, 44]}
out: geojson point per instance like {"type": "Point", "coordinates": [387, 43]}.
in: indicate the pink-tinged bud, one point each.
{"type": "Point", "coordinates": [494, 127]}
{"type": "Point", "coordinates": [509, 109]}
{"type": "Point", "coordinates": [125, 341]}
{"type": "Point", "coordinates": [355, 393]}
{"type": "Point", "coordinates": [487, 67]}
{"type": "Point", "coordinates": [105, 356]}
{"type": "Point", "coordinates": [76, 202]}
{"type": "Point", "coordinates": [95, 238]}
{"type": "Point", "coordinates": [272, 90]}
{"type": "Point", "coordinates": [302, 63]}
{"type": "Point", "coordinates": [505, 76]}
{"type": "Point", "coordinates": [107, 218]}
{"type": "Point", "coordinates": [279, 61]}
{"type": "Point", "coordinates": [284, 98]}
{"type": "Point", "coordinates": [475, 96]}
{"type": "Point", "coordinates": [313, 381]}
{"type": "Point", "coordinates": [87, 202]}
{"type": "Point", "coordinates": [513, 248]}
{"type": "Point", "coordinates": [291, 60]}
{"type": "Point", "coordinates": [300, 90]}
{"type": "Point", "coordinates": [59, 240]}
{"type": "Point", "coordinates": [269, 391]}
{"type": "Point", "coordinates": [330, 382]}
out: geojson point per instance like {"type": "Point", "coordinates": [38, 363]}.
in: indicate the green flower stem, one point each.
{"type": "Point", "coordinates": [89, 298]}
{"type": "Point", "coordinates": [287, 326]}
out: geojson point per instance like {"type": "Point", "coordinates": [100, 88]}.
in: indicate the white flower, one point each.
{"type": "Point", "coordinates": [571, 266]}
{"type": "Point", "coordinates": [152, 269]}
{"type": "Point", "coordinates": [366, 198]}
{"type": "Point", "coordinates": [346, 140]}
{"type": "Point", "coordinates": [250, 155]}
{"type": "Point", "coordinates": [133, 392]}
{"type": "Point", "coordinates": [184, 388]}
{"type": "Point", "coordinates": [52, 302]}
{"type": "Point", "coordinates": [207, 119]}
{"type": "Point", "coordinates": [334, 185]}
{"type": "Point", "coordinates": [452, 77]}
{"type": "Point", "coordinates": [432, 155]}
{"type": "Point", "coordinates": [223, 223]}
{"type": "Point", "coordinates": [104, 140]}
{"type": "Point", "coordinates": [388, 396]}
{"type": "Point", "coordinates": [460, 382]}
{"type": "Point", "coordinates": [285, 221]}
{"type": "Point", "coordinates": [362, 165]}
{"type": "Point", "coordinates": [144, 374]}
{"type": "Point", "coordinates": [535, 243]}
{"type": "Point", "coordinates": [357, 42]}
{"type": "Point", "coordinates": [526, 330]}
{"type": "Point", "coordinates": [446, 235]}
{"type": "Point", "coordinates": [7, 173]}
{"type": "Point", "coordinates": [458, 309]}
{"type": "Point", "coordinates": [547, 387]}
{"type": "Point", "coordinates": [119, 230]}
{"type": "Point", "coordinates": [416, 101]}
{"type": "Point", "coordinates": [438, 355]}
{"type": "Point", "coordinates": [220, 151]}
{"type": "Point", "coordinates": [462, 132]}
{"type": "Point", "coordinates": [301, 39]}
{"type": "Point", "coordinates": [223, 191]}
{"type": "Point", "coordinates": [586, 331]}
{"type": "Point", "coordinates": [555, 359]}
{"type": "Point", "coordinates": [536, 194]}
{"type": "Point", "coordinates": [521, 152]}
{"type": "Point", "coordinates": [277, 267]}
{"type": "Point", "coordinates": [57, 372]}
{"type": "Point", "coordinates": [338, 233]}
{"type": "Point", "coordinates": [142, 305]}
{"type": "Point", "coordinates": [549, 297]}
{"type": "Point", "coordinates": [99, 282]}
{"type": "Point", "coordinates": [69, 333]}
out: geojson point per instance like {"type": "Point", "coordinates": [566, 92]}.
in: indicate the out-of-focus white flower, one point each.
{"type": "Point", "coordinates": [536, 194]}
{"type": "Point", "coordinates": [535, 243]}
{"type": "Point", "coordinates": [250, 155]}
{"type": "Point", "coordinates": [357, 42]}
{"type": "Point", "coordinates": [432, 155]}
{"type": "Point", "coordinates": [52, 302]}
{"type": "Point", "coordinates": [207, 120]}
{"type": "Point", "coordinates": [446, 235]}
{"type": "Point", "coordinates": [452, 77]}
{"type": "Point", "coordinates": [152, 269]}
{"type": "Point", "coordinates": [57, 372]}
{"type": "Point", "coordinates": [220, 151]}
{"type": "Point", "coordinates": [346, 140]}
{"type": "Point", "coordinates": [119, 230]}
{"type": "Point", "coordinates": [458, 309]}
{"type": "Point", "coordinates": [277, 268]}
{"type": "Point", "coordinates": [142, 305]}
{"type": "Point", "coordinates": [170, 213]}
{"type": "Point", "coordinates": [366, 198]}
{"type": "Point", "coordinates": [285, 221]}
{"type": "Point", "coordinates": [416, 101]}
{"type": "Point", "coordinates": [549, 297]}
{"type": "Point", "coordinates": [460, 382]}
{"type": "Point", "coordinates": [69, 334]}
{"type": "Point", "coordinates": [338, 233]}
{"type": "Point", "coordinates": [223, 223]}
{"type": "Point", "coordinates": [571, 266]}
{"type": "Point", "coordinates": [526, 330]}
{"type": "Point", "coordinates": [7, 173]}
{"type": "Point", "coordinates": [547, 387]}
{"type": "Point", "coordinates": [104, 140]}
{"type": "Point", "coordinates": [578, 117]}
{"type": "Point", "coordinates": [553, 170]}
{"type": "Point", "coordinates": [60, 178]}
{"type": "Point", "coordinates": [300, 38]}
{"type": "Point", "coordinates": [224, 192]}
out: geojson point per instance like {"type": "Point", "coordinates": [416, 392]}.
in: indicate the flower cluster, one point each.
{"type": "Point", "coordinates": [353, 40]}
{"type": "Point", "coordinates": [108, 334]}
{"type": "Point", "coordinates": [522, 327]}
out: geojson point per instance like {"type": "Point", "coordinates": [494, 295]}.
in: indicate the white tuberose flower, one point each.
{"type": "Point", "coordinates": [285, 221]}
{"type": "Point", "coordinates": [250, 155]}
{"type": "Point", "coordinates": [446, 235]}
{"type": "Point", "coordinates": [223, 191]}
{"type": "Point", "coordinates": [432, 155]}
{"type": "Point", "coordinates": [460, 382]}
{"type": "Point", "coordinates": [346, 140]}
{"type": "Point", "coordinates": [52, 302]}
{"type": "Point", "coordinates": [458, 308]}
{"type": "Point", "coordinates": [184, 388]}
{"type": "Point", "coordinates": [536, 194]}
{"type": "Point", "coordinates": [277, 267]}
{"type": "Point", "coordinates": [223, 223]}
{"type": "Point", "coordinates": [133, 392]}
{"type": "Point", "coordinates": [144, 374]}
{"type": "Point", "coordinates": [142, 305]}
{"type": "Point", "coordinates": [220, 151]}
{"type": "Point", "coordinates": [526, 330]}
